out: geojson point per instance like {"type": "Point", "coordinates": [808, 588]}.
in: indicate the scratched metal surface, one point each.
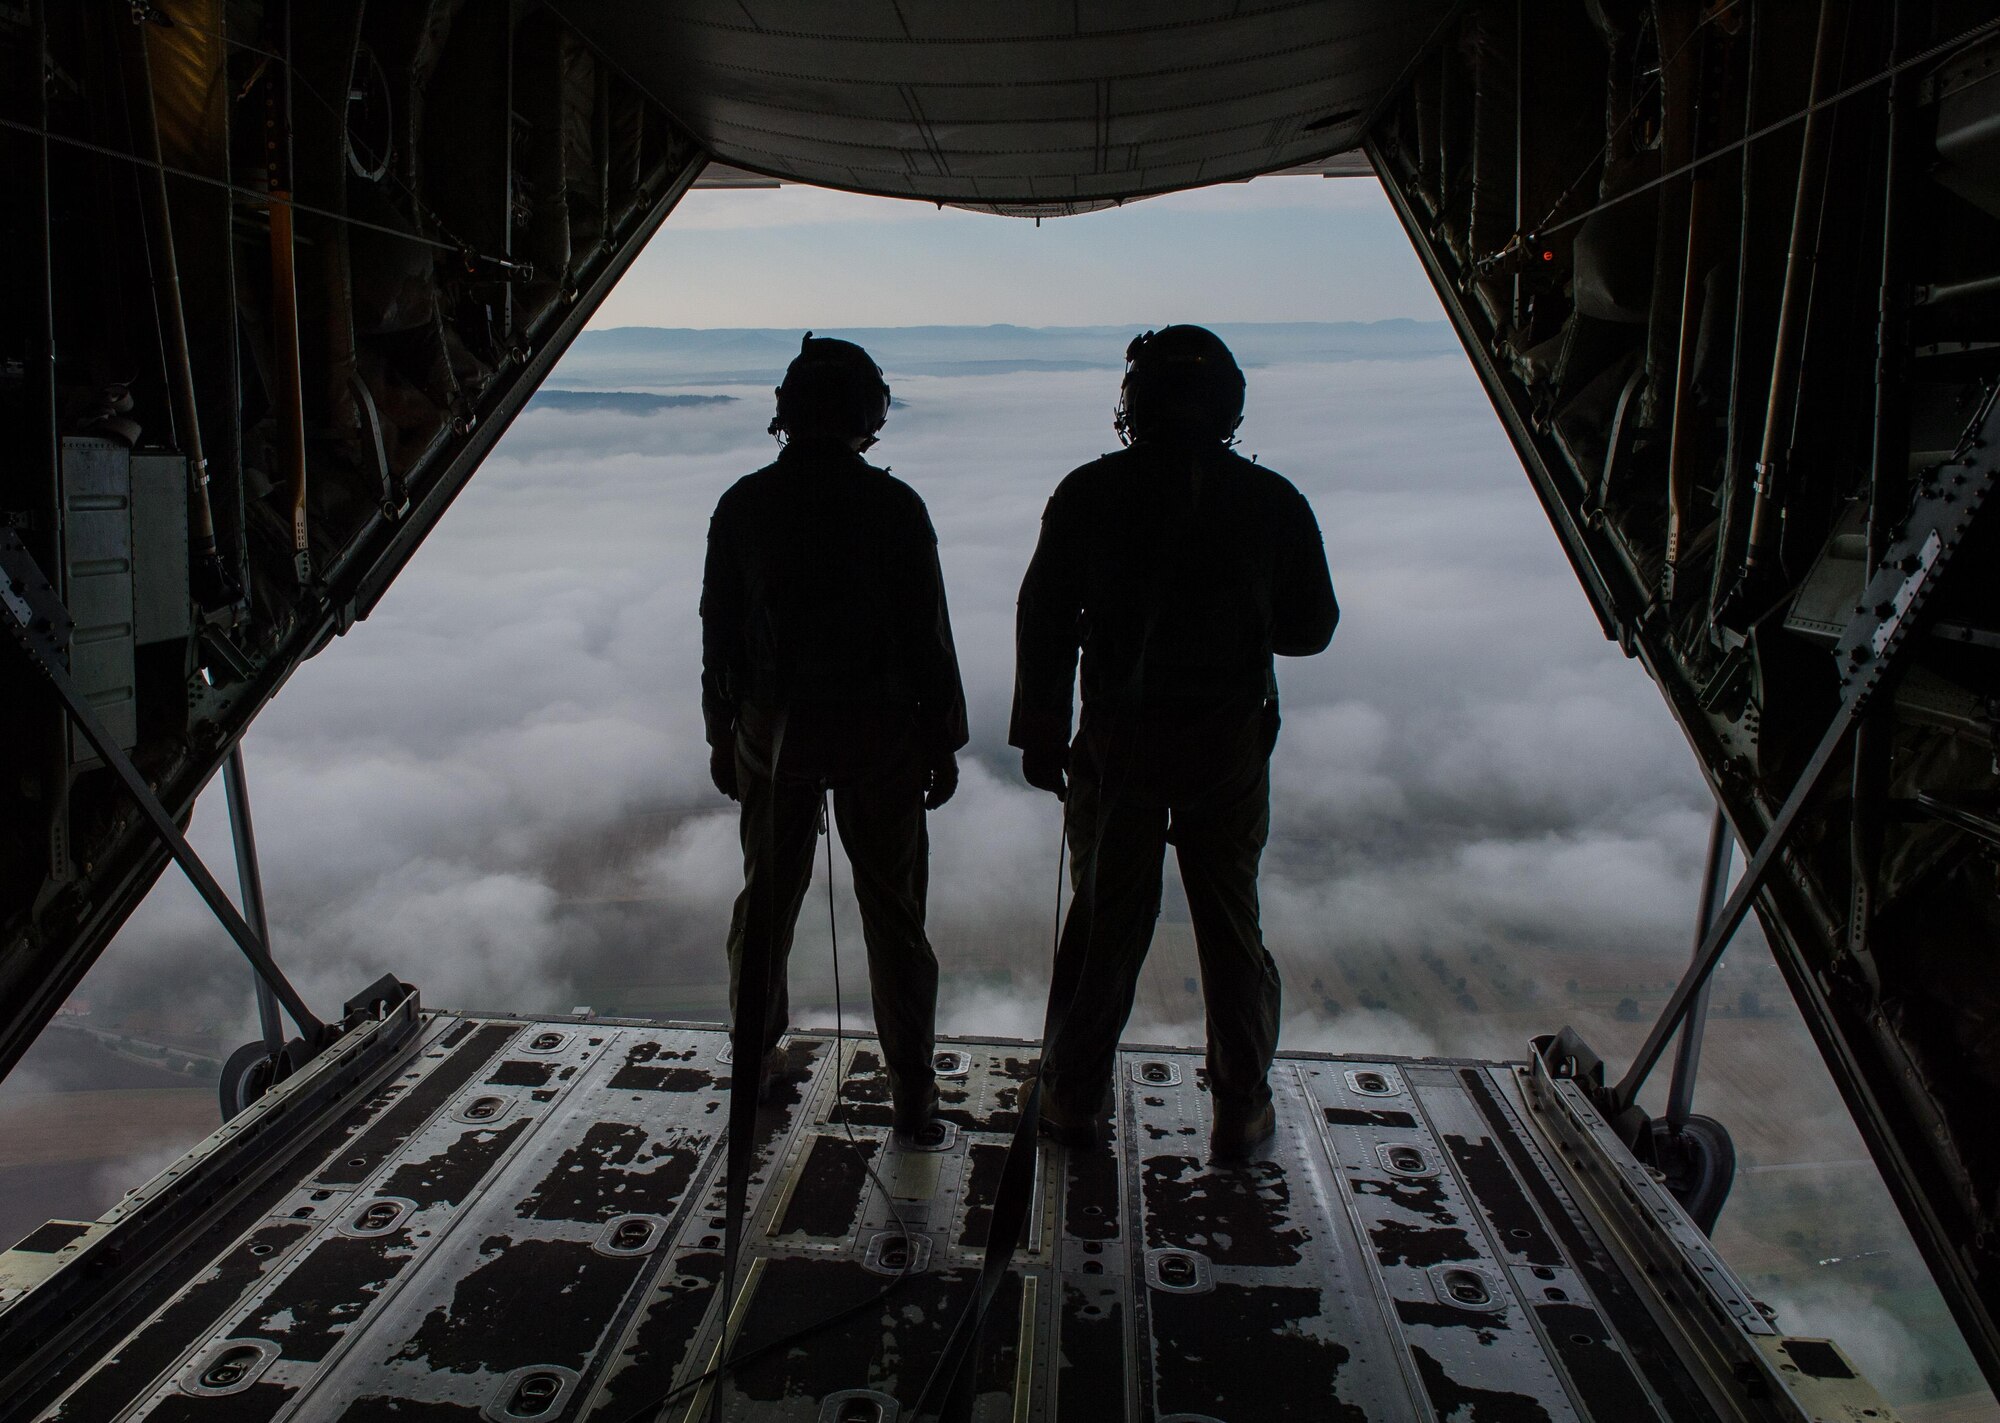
{"type": "Point", "coordinates": [527, 1226]}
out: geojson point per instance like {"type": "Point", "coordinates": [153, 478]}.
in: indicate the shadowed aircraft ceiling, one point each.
{"type": "Point", "coordinates": [1035, 108]}
{"type": "Point", "coordinates": [1725, 271]}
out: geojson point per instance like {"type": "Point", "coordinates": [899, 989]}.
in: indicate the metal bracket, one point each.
{"type": "Point", "coordinates": [1868, 652]}
{"type": "Point", "coordinates": [122, 1253]}
{"type": "Point", "coordinates": [395, 496]}
{"type": "Point", "coordinates": [39, 625]}
{"type": "Point", "coordinates": [1736, 1354]}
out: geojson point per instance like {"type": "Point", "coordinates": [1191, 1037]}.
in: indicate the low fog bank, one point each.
{"type": "Point", "coordinates": [662, 356]}
{"type": "Point", "coordinates": [497, 785]}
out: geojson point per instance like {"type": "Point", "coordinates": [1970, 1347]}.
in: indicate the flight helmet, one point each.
{"type": "Point", "coordinates": [832, 387]}
{"type": "Point", "coordinates": [1181, 383]}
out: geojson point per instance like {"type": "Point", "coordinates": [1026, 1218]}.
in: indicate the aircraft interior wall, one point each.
{"type": "Point", "coordinates": [1727, 274]}
{"type": "Point", "coordinates": [223, 440]}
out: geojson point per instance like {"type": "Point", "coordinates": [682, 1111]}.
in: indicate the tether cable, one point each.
{"type": "Point", "coordinates": [731, 1364]}
{"type": "Point", "coordinates": [1015, 1194]}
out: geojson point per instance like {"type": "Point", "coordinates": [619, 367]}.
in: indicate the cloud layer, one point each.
{"type": "Point", "coordinates": [497, 785]}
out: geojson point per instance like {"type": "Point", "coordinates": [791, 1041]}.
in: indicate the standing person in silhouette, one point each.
{"type": "Point", "coordinates": [827, 663]}
{"type": "Point", "coordinates": [1176, 568]}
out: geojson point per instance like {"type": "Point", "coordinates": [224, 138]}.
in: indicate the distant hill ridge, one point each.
{"type": "Point", "coordinates": [663, 355]}
{"type": "Point", "coordinates": [620, 402]}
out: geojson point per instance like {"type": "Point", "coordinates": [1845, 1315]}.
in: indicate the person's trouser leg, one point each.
{"type": "Point", "coordinates": [882, 828]}
{"type": "Point", "coordinates": [778, 827]}
{"type": "Point", "coordinates": [1219, 839]}
{"type": "Point", "coordinates": [1117, 849]}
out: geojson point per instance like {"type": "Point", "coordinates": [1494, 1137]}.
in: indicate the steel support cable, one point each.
{"type": "Point", "coordinates": [1959, 41]}
{"type": "Point", "coordinates": [1604, 151]}
{"type": "Point", "coordinates": [1730, 502]}
{"type": "Point", "coordinates": [312, 92]}
{"type": "Point", "coordinates": [750, 1002]}
{"type": "Point", "coordinates": [254, 196]}
{"type": "Point", "coordinates": [1695, 269]}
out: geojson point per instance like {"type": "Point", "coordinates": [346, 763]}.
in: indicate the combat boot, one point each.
{"type": "Point", "coordinates": [1077, 1131]}
{"type": "Point", "coordinates": [1235, 1134]}
{"type": "Point", "coordinates": [771, 1075]}
{"type": "Point", "coordinates": [913, 1116]}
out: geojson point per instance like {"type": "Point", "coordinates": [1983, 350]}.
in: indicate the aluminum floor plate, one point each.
{"type": "Point", "coordinates": [525, 1224]}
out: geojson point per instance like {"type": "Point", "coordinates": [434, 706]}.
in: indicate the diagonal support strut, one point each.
{"type": "Point", "coordinates": [1687, 1057]}
{"type": "Point", "coordinates": [1870, 651]}
{"type": "Point", "coordinates": [39, 625]}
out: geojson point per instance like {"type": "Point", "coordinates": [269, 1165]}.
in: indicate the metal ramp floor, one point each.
{"type": "Point", "coordinates": [500, 1219]}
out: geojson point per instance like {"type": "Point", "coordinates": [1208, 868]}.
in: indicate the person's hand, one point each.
{"type": "Point", "coordinates": [940, 781]}
{"type": "Point", "coordinates": [722, 769]}
{"type": "Point", "coordinates": [1046, 769]}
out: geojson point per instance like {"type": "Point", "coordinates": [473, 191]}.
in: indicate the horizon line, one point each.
{"type": "Point", "coordinates": [1013, 326]}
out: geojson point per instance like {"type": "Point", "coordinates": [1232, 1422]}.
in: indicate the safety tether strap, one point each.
{"type": "Point", "coordinates": [948, 1391]}
{"type": "Point", "coordinates": [755, 977]}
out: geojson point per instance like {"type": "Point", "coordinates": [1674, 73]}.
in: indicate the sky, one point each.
{"type": "Point", "coordinates": [497, 786]}
{"type": "Point", "coordinates": [1277, 249]}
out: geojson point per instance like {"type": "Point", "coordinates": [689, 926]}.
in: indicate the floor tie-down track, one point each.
{"type": "Point", "coordinates": [521, 1220]}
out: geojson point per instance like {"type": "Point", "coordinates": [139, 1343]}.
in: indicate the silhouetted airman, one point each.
{"type": "Point", "coordinates": [1177, 569]}
{"type": "Point", "coordinates": [827, 662]}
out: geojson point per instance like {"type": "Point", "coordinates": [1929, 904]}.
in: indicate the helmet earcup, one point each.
{"type": "Point", "coordinates": [832, 387]}
{"type": "Point", "coordinates": [1180, 381]}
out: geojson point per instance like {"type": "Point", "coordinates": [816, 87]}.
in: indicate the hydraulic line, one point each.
{"type": "Point", "coordinates": [1680, 456]}
{"type": "Point", "coordinates": [285, 295]}
{"type": "Point", "coordinates": [54, 753]}
{"type": "Point", "coordinates": [1792, 299]}
{"type": "Point", "coordinates": [261, 196]}
{"type": "Point", "coordinates": [45, 374]}
{"type": "Point", "coordinates": [180, 366]}
{"type": "Point", "coordinates": [1727, 515]}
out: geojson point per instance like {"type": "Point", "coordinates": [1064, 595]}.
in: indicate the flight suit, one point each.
{"type": "Point", "coordinates": [1176, 570]}
{"type": "Point", "coordinates": [827, 661]}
